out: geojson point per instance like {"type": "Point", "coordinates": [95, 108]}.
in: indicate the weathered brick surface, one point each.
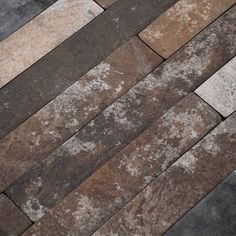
{"type": "Point", "coordinates": [119, 124]}
{"type": "Point", "coordinates": [14, 14]}
{"type": "Point", "coordinates": [73, 58]}
{"type": "Point", "coordinates": [181, 23]}
{"type": "Point", "coordinates": [180, 187]}
{"type": "Point", "coordinates": [65, 115]}
{"type": "Point", "coordinates": [105, 3]}
{"type": "Point", "coordinates": [220, 90]}
{"type": "Point", "coordinates": [106, 191]}
{"type": "Point", "coordinates": [215, 214]}
{"type": "Point", "coordinates": [41, 35]}
{"type": "Point", "coordinates": [12, 220]}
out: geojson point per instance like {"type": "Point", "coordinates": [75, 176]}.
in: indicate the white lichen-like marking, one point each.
{"type": "Point", "coordinates": [120, 87]}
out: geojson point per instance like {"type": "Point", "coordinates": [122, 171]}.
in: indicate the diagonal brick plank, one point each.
{"type": "Point", "coordinates": [42, 34]}
{"type": "Point", "coordinates": [179, 188]}
{"type": "Point", "coordinates": [12, 220]}
{"type": "Point", "coordinates": [112, 186]}
{"type": "Point", "coordinates": [14, 14]}
{"type": "Point", "coordinates": [181, 23]}
{"type": "Point", "coordinates": [214, 216]}
{"type": "Point", "coordinates": [67, 63]}
{"type": "Point", "coordinates": [80, 103]}
{"type": "Point", "coordinates": [105, 3]}
{"type": "Point", "coordinates": [119, 124]}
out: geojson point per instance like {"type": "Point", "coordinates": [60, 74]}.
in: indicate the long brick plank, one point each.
{"type": "Point", "coordinates": [14, 14]}
{"type": "Point", "coordinates": [125, 119]}
{"type": "Point", "coordinates": [215, 214]}
{"type": "Point", "coordinates": [12, 220]}
{"type": "Point", "coordinates": [181, 23]}
{"type": "Point", "coordinates": [112, 186]}
{"type": "Point", "coordinates": [80, 103]}
{"type": "Point", "coordinates": [41, 35]}
{"type": "Point", "coordinates": [179, 188]}
{"type": "Point", "coordinates": [105, 3]}
{"type": "Point", "coordinates": [67, 63]}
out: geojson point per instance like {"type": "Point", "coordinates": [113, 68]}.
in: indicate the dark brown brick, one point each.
{"type": "Point", "coordinates": [105, 3]}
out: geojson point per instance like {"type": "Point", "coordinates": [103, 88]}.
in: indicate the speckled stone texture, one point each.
{"type": "Point", "coordinates": [12, 220]}
{"type": "Point", "coordinates": [106, 3]}
{"type": "Point", "coordinates": [55, 72]}
{"type": "Point", "coordinates": [180, 187]}
{"type": "Point", "coordinates": [15, 13]}
{"type": "Point", "coordinates": [215, 215]}
{"type": "Point", "coordinates": [67, 167]}
{"type": "Point", "coordinates": [181, 23]}
{"type": "Point", "coordinates": [106, 191]}
{"type": "Point", "coordinates": [220, 90]}
{"type": "Point", "coordinates": [80, 103]}
{"type": "Point", "coordinates": [41, 35]}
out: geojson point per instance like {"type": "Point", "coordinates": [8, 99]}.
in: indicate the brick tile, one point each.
{"type": "Point", "coordinates": [181, 23]}
{"type": "Point", "coordinates": [12, 220]}
{"type": "Point", "coordinates": [41, 35]}
{"type": "Point", "coordinates": [179, 188]}
{"type": "Point", "coordinates": [105, 3]}
{"type": "Point", "coordinates": [106, 191]}
{"type": "Point", "coordinates": [220, 90]}
{"type": "Point", "coordinates": [55, 72]}
{"type": "Point", "coordinates": [65, 115]}
{"type": "Point", "coordinates": [14, 14]}
{"type": "Point", "coordinates": [125, 119]}
{"type": "Point", "coordinates": [215, 214]}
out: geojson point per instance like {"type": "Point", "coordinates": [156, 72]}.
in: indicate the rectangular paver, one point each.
{"type": "Point", "coordinates": [55, 72]}
{"type": "Point", "coordinates": [67, 167]}
{"type": "Point", "coordinates": [105, 3]}
{"type": "Point", "coordinates": [215, 215]}
{"type": "Point", "coordinates": [80, 103]}
{"type": "Point", "coordinates": [112, 186]}
{"type": "Point", "coordinates": [179, 188]}
{"type": "Point", "coordinates": [220, 90]}
{"type": "Point", "coordinates": [42, 34]}
{"type": "Point", "coordinates": [181, 23]}
{"type": "Point", "coordinates": [15, 13]}
{"type": "Point", "coordinates": [12, 220]}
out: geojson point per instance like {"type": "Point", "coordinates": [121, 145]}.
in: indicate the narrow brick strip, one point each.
{"type": "Point", "coordinates": [41, 35]}
{"type": "Point", "coordinates": [12, 220]}
{"type": "Point", "coordinates": [46, 79]}
{"type": "Point", "coordinates": [80, 103]}
{"type": "Point", "coordinates": [14, 14]}
{"type": "Point", "coordinates": [125, 119]}
{"type": "Point", "coordinates": [215, 214]}
{"type": "Point", "coordinates": [105, 3]}
{"type": "Point", "coordinates": [181, 23]}
{"type": "Point", "coordinates": [112, 186]}
{"type": "Point", "coordinates": [220, 90]}
{"type": "Point", "coordinates": [179, 188]}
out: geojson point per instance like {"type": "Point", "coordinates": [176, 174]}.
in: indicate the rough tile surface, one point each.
{"type": "Point", "coordinates": [105, 3]}
{"type": "Point", "coordinates": [15, 13]}
{"type": "Point", "coordinates": [12, 220]}
{"type": "Point", "coordinates": [220, 90]}
{"type": "Point", "coordinates": [215, 215]}
{"type": "Point", "coordinates": [41, 35]}
{"type": "Point", "coordinates": [55, 72]}
{"type": "Point", "coordinates": [65, 115]}
{"type": "Point", "coordinates": [124, 120]}
{"type": "Point", "coordinates": [179, 188]}
{"type": "Point", "coordinates": [106, 191]}
{"type": "Point", "coordinates": [181, 23]}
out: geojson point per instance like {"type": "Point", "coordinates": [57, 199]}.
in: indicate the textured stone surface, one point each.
{"type": "Point", "coordinates": [62, 117]}
{"type": "Point", "coordinates": [55, 72]}
{"type": "Point", "coordinates": [105, 3]}
{"type": "Point", "coordinates": [181, 23]}
{"type": "Point", "coordinates": [220, 90]}
{"type": "Point", "coordinates": [180, 187]}
{"type": "Point", "coordinates": [215, 215]}
{"type": "Point", "coordinates": [42, 34]}
{"type": "Point", "coordinates": [106, 191]}
{"type": "Point", "coordinates": [12, 220]}
{"type": "Point", "coordinates": [125, 119]}
{"type": "Point", "coordinates": [15, 13]}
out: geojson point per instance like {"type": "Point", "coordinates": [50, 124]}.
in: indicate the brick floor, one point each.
{"type": "Point", "coordinates": [118, 122]}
